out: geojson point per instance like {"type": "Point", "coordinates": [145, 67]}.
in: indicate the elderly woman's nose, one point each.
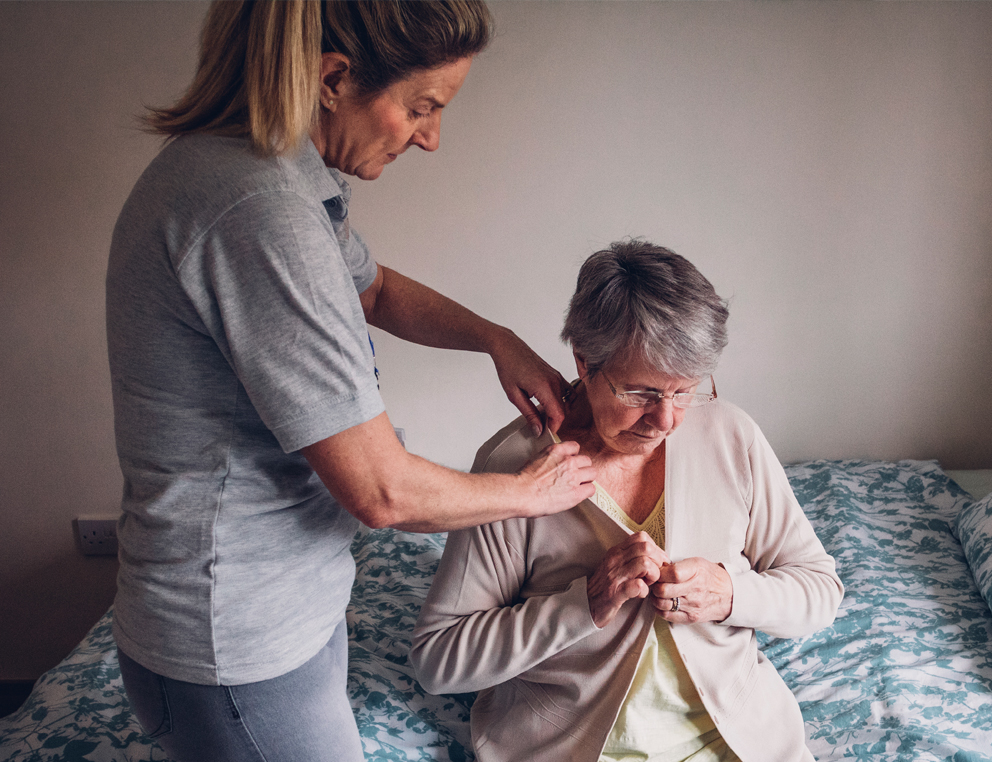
{"type": "Point", "coordinates": [661, 415]}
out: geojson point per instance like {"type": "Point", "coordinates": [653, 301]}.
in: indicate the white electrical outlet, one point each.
{"type": "Point", "coordinates": [97, 535]}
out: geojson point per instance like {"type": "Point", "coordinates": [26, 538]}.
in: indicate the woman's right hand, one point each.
{"type": "Point", "coordinates": [627, 571]}
{"type": "Point", "coordinates": [561, 477]}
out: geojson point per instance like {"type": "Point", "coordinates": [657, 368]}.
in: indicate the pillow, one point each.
{"type": "Point", "coordinates": [974, 529]}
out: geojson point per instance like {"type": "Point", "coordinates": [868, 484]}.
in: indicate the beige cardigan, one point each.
{"type": "Point", "coordinates": [508, 614]}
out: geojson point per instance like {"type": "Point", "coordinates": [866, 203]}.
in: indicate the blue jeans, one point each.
{"type": "Point", "coordinates": [302, 716]}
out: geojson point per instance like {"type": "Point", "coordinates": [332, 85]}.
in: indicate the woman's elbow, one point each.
{"type": "Point", "coordinates": [835, 594]}
{"type": "Point", "coordinates": [828, 598]}
{"type": "Point", "coordinates": [425, 669]}
{"type": "Point", "coordinates": [429, 684]}
{"type": "Point", "coordinates": [440, 666]}
{"type": "Point", "coordinates": [379, 509]}
{"type": "Point", "coordinates": [374, 517]}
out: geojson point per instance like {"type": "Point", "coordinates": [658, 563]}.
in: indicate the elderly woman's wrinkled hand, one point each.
{"type": "Point", "coordinates": [627, 571]}
{"type": "Point", "coordinates": [693, 590]}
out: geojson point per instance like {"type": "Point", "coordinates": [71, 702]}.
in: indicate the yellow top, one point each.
{"type": "Point", "coordinates": [662, 719]}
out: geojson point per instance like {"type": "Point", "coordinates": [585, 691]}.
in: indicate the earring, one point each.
{"type": "Point", "coordinates": [331, 106]}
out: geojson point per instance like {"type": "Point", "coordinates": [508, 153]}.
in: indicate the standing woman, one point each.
{"type": "Point", "coordinates": [250, 430]}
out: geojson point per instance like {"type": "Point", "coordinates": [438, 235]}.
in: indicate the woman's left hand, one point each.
{"type": "Point", "coordinates": [693, 590]}
{"type": "Point", "coordinates": [523, 374]}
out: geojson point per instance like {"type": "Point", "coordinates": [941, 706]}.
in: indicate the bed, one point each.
{"type": "Point", "coordinates": [904, 673]}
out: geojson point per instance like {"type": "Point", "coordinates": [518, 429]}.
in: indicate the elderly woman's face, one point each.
{"type": "Point", "coordinates": [360, 137]}
{"type": "Point", "coordinates": [628, 430]}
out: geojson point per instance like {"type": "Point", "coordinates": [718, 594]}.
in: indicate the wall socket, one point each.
{"type": "Point", "coordinates": [97, 535]}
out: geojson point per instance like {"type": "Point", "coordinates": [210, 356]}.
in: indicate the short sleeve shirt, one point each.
{"type": "Point", "coordinates": [236, 337]}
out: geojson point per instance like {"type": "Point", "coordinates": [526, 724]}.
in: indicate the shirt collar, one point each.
{"type": "Point", "coordinates": [326, 183]}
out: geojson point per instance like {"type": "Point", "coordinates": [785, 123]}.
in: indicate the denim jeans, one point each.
{"type": "Point", "coordinates": [302, 716]}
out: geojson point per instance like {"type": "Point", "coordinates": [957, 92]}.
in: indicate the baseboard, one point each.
{"type": "Point", "coordinates": [12, 695]}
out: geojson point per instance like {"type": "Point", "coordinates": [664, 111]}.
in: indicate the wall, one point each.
{"type": "Point", "coordinates": [827, 165]}
{"type": "Point", "coordinates": [74, 76]}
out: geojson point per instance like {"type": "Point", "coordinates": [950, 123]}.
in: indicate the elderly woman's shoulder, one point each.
{"type": "Point", "coordinates": [510, 448]}
{"type": "Point", "coordinates": [722, 418]}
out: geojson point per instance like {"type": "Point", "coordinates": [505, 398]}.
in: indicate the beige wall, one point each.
{"type": "Point", "coordinates": [827, 165]}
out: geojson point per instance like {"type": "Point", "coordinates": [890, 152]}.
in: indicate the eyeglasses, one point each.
{"type": "Point", "coordinates": [682, 400]}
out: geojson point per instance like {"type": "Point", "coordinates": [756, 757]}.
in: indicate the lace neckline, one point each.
{"type": "Point", "coordinates": [653, 525]}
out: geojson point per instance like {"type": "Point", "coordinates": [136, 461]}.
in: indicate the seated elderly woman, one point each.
{"type": "Point", "coordinates": [624, 628]}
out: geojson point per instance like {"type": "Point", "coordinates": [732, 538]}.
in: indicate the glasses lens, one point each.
{"type": "Point", "coordinates": [691, 400]}
{"type": "Point", "coordinates": [639, 399]}
{"type": "Point", "coordinates": [680, 400]}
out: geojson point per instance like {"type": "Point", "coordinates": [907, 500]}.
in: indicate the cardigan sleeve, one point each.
{"type": "Point", "coordinates": [475, 631]}
{"type": "Point", "coordinates": [792, 588]}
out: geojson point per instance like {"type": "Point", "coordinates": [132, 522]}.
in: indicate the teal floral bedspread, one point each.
{"type": "Point", "coordinates": [905, 672]}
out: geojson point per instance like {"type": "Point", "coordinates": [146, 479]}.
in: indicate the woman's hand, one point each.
{"type": "Point", "coordinates": [703, 590]}
{"type": "Point", "coordinates": [523, 374]}
{"type": "Point", "coordinates": [627, 571]}
{"type": "Point", "coordinates": [416, 313]}
{"type": "Point", "coordinates": [561, 476]}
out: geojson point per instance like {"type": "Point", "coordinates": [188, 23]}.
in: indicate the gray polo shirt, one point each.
{"type": "Point", "coordinates": [236, 337]}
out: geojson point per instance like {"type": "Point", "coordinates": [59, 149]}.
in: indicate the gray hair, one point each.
{"type": "Point", "coordinates": [635, 298]}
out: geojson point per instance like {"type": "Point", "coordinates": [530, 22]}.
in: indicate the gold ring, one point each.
{"type": "Point", "coordinates": [675, 605]}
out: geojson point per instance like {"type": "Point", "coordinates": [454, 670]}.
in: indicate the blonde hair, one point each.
{"type": "Point", "coordinates": [260, 60]}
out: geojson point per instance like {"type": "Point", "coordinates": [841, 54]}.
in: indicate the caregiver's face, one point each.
{"type": "Point", "coordinates": [362, 136]}
{"type": "Point", "coordinates": [633, 430]}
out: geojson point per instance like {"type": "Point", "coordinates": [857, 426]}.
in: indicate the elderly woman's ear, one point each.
{"type": "Point", "coordinates": [580, 365]}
